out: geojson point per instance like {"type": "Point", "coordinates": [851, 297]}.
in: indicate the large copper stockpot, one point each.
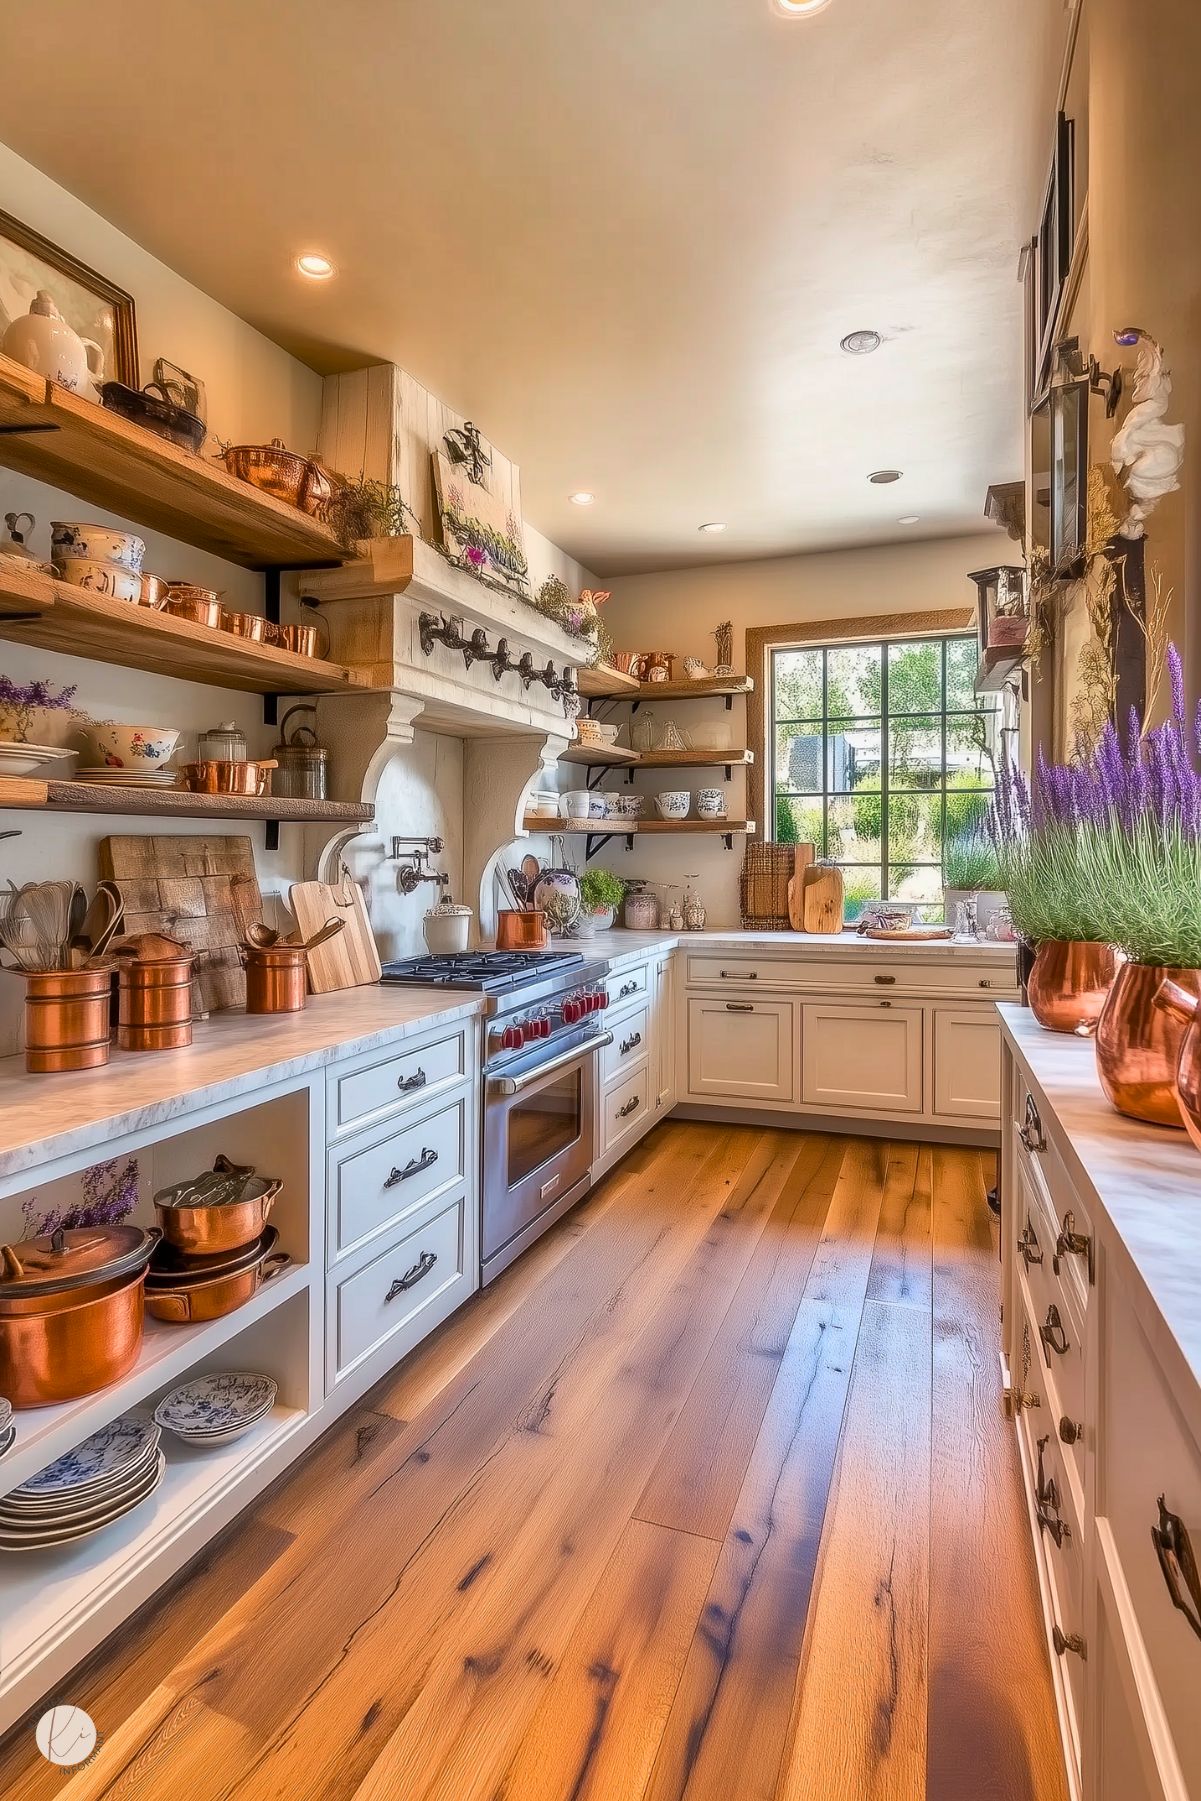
{"type": "Point", "coordinates": [1186, 1008]}
{"type": "Point", "coordinates": [71, 1311]}
{"type": "Point", "coordinates": [1068, 984]}
{"type": "Point", "coordinates": [1139, 1044]}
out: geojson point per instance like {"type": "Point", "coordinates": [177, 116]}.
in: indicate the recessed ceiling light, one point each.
{"type": "Point", "coordinates": [315, 266]}
{"type": "Point", "coordinates": [714, 525]}
{"type": "Point", "coordinates": [582, 499]}
{"type": "Point", "coordinates": [860, 343]}
{"type": "Point", "coordinates": [908, 519]}
{"type": "Point", "coordinates": [882, 477]}
{"type": "Point", "coordinates": [799, 9]}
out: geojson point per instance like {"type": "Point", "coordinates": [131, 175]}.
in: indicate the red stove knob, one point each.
{"type": "Point", "coordinates": [512, 1038]}
{"type": "Point", "coordinates": [571, 1012]}
{"type": "Point", "coordinates": [544, 1026]}
{"type": "Point", "coordinates": [529, 1031]}
{"type": "Point", "coordinates": [602, 999]}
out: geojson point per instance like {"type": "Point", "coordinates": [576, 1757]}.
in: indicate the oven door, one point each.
{"type": "Point", "coordinates": [539, 1145]}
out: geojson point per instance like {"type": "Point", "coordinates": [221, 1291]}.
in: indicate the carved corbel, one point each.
{"type": "Point", "coordinates": [362, 732]}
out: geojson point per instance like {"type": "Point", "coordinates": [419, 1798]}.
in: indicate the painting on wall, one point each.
{"type": "Point", "coordinates": [479, 532]}
{"type": "Point", "coordinates": [96, 309]}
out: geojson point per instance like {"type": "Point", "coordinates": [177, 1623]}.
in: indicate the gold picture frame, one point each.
{"type": "Point", "coordinates": [92, 305]}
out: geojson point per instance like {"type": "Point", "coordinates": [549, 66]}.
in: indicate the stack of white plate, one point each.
{"type": "Point", "coordinates": [87, 1488]}
{"type": "Point", "coordinates": [214, 1410]}
{"type": "Point", "coordinates": [127, 778]}
{"type": "Point", "coordinates": [24, 759]}
{"type": "Point", "coordinates": [8, 1426]}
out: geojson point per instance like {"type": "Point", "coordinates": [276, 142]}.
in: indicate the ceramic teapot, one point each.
{"type": "Point", "coordinates": [44, 342]}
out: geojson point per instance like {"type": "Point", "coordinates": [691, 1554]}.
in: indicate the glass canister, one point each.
{"type": "Point", "coordinates": [224, 743]}
{"type": "Point", "coordinates": [302, 764]}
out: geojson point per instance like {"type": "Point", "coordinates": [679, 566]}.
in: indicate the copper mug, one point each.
{"type": "Point", "coordinates": [305, 640]}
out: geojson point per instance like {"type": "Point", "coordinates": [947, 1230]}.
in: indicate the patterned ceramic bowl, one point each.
{"type": "Point", "coordinates": [129, 746]}
{"type": "Point", "coordinates": [673, 803]}
{"type": "Point", "coordinates": [112, 579]}
{"type": "Point", "coordinates": [96, 544]}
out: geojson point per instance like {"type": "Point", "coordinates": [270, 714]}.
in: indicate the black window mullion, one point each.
{"type": "Point", "coordinates": [885, 778]}
{"type": "Point", "coordinates": [825, 845]}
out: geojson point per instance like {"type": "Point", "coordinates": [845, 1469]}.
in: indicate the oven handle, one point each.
{"type": "Point", "coordinates": [515, 1084]}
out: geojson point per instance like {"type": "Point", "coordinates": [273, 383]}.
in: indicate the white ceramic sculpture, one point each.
{"type": "Point", "coordinates": [1146, 454]}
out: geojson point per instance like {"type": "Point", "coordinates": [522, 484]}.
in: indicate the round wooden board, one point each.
{"type": "Point", "coordinates": [910, 934]}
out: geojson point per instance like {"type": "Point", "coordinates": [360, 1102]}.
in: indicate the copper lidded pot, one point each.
{"type": "Point", "coordinates": [71, 1311]}
{"type": "Point", "coordinates": [1069, 982]}
{"type": "Point", "coordinates": [1139, 1043]}
{"type": "Point", "coordinates": [1186, 1007]}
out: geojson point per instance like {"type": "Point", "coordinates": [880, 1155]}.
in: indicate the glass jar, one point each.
{"type": "Point", "coordinates": [224, 743]}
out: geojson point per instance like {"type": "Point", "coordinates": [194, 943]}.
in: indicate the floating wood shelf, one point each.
{"type": "Point", "coordinates": [35, 609]}
{"type": "Point", "coordinates": [694, 759]}
{"type": "Point", "coordinates": [602, 683]}
{"type": "Point", "coordinates": [172, 803]}
{"type": "Point", "coordinates": [48, 432]}
{"type": "Point", "coordinates": [600, 756]}
{"type": "Point", "coordinates": [626, 828]}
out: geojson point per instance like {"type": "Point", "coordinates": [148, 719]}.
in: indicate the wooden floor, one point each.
{"type": "Point", "coordinates": [709, 1496]}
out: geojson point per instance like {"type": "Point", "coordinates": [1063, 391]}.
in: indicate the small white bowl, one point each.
{"type": "Point", "coordinates": [129, 746]}
{"type": "Point", "coordinates": [111, 579]}
{"type": "Point", "coordinates": [70, 540]}
{"type": "Point", "coordinates": [673, 803]}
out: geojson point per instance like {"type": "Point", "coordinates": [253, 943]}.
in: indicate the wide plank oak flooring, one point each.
{"type": "Point", "coordinates": [708, 1498]}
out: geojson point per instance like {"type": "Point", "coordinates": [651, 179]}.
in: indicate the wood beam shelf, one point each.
{"type": "Point", "coordinates": [601, 756]}
{"type": "Point", "coordinates": [36, 609]}
{"type": "Point", "coordinates": [48, 432]}
{"type": "Point", "coordinates": [24, 793]}
{"type": "Point", "coordinates": [694, 759]}
{"type": "Point", "coordinates": [603, 683]}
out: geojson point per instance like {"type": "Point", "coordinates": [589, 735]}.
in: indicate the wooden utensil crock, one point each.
{"type": "Point", "coordinates": [67, 1019]}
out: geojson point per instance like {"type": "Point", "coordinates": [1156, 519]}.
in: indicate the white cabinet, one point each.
{"type": "Point", "coordinates": [967, 1063]}
{"type": "Point", "coordinates": [862, 1056]}
{"type": "Point", "coordinates": [742, 1050]}
{"type": "Point", "coordinates": [663, 1034]}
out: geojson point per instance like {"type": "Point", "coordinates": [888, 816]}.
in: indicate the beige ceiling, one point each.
{"type": "Point", "coordinates": [625, 237]}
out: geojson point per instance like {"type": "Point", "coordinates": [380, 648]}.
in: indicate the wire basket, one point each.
{"type": "Point", "coordinates": [766, 872]}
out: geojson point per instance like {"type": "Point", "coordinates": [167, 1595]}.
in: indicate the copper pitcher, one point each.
{"type": "Point", "coordinates": [1186, 1007]}
{"type": "Point", "coordinates": [1139, 1043]}
{"type": "Point", "coordinates": [1068, 984]}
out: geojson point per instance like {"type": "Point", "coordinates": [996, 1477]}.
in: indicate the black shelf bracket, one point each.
{"type": "Point", "coordinates": [271, 840]}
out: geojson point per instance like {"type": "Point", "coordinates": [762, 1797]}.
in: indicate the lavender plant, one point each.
{"type": "Point", "coordinates": [108, 1194]}
{"type": "Point", "coordinates": [21, 700]}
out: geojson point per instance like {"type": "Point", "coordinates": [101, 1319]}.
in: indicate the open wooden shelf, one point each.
{"type": "Point", "coordinates": [996, 666]}
{"type": "Point", "coordinates": [48, 432]}
{"type": "Point", "coordinates": [694, 759]}
{"type": "Point", "coordinates": [626, 828]}
{"type": "Point", "coordinates": [603, 683]}
{"type": "Point", "coordinates": [600, 756]}
{"type": "Point", "coordinates": [172, 803]}
{"type": "Point", "coordinates": [36, 609]}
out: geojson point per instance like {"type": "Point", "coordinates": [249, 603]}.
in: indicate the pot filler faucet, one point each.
{"type": "Point", "coordinates": [413, 870]}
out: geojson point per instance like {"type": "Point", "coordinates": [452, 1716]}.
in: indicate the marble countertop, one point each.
{"type": "Point", "coordinates": [623, 946]}
{"type": "Point", "coordinates": [231, 1054]}
{"type": "Point", "coordinates": [1145, 1181]}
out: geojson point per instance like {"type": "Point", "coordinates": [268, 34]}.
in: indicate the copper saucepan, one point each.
{"type": "Point", "coordinates": [202, 1229]}
{"type": "Point", "coordinates": [521, 929]}
{"type": "Point", "coordinates": [249, 775]}
{"type": "Point", "coordinates": [184, 1299]}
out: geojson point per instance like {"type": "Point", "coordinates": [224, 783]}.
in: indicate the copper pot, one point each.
{"type": "Point", "coordinates": [305, 640]}
{"type": "Point", "coordinates": [154, 1004]}
{"type": "Point", "coordinates": [155, 591]}
{"type": "Point", "coordinates": [203, 1230]}
{"type": "Point", "coordinates": [299, 480]}
{"type": "Point", "coordinates": [249, 776]}
{"type": "Point", "coordinates": [201, 605]}
{"type": "Point", "coordinates": [1185, 1007]}
{"type": "Point", "coordinates": [1139, 1044]}
{"type": "Point", "coordinates": [521, 929]}
{"type": "Point", "coordinates": [276, 977]}
{"type": "Point", "coordinates": [1068, 984]}
{"type": "Point", "coordinates": [250, 625]}
{"type": "Point", "coordinates": [67, 1019]}
{"type": "Point", "coordinates": [199, 1295]}
{"type": "Point", "coordinates": [71, 1312]}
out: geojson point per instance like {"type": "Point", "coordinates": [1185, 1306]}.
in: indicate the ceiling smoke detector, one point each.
{"type": "Point", "coordinates": [882, 477]}
{"type": "Point", "coordinates": [860, 343]}
{"type": "Point", "coordinates": [315, 266]}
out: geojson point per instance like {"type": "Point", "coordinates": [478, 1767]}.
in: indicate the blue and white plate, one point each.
{"type": "Point", "coordinates": [6, 1414]}
{"type": "Point", "coordinates": [45, 1534]}
{"type": "Point", "coordinates": [217, 1403]}
{"type": "Point", "coordinates": [8, 1438]}
{"type": "Point", "coordinates": [101, 1458]}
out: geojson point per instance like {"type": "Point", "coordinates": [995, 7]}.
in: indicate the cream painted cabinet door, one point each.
{"type": "Point", "coordinates": [967, 1062]}
{"type": "Point", "coordinates": [741, 1050]}
{"type": "Point", "coordinates": [663, 1034]}
{"type": "Point", "coordinates": [864, 1056]}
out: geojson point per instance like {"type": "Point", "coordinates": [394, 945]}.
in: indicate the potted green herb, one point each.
{"type": "Point", "coordinates": [971, 870]}
{"type": "Point", "coordinates": [601, 893]}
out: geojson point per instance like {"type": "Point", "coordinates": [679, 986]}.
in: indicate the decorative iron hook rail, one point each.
{"type": "Point", "coordinates": [433, 629]}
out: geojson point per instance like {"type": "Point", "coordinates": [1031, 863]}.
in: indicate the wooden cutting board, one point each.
{"type": "Point", "coordinates": [202, 890]}
{"type": "Point", "coordinates": [350, 960]}
{"type": "Point", "coordinates": [822, 897]}
{"type": "Point", "coordinates": [802, 857]}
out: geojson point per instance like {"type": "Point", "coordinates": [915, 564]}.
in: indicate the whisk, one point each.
{"type": "Point", "coordinates": [36, 924]}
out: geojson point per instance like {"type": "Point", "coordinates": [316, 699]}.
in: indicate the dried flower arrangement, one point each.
{"type": "Point", "coordinates": [19, 701]}
{"type": "Point", "coordinates": [581, 616]}
{"type": "Point", "coordinates": [109, 1194]}
{"type": "Point", "coordinates": [364, 508]}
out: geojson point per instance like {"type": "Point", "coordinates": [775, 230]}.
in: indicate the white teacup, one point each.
{"type": "Point", "coordinates": [673, 803]}
{"type": "Point", "coordinates": [711, 803]}
{"type": "Point", "coordinates": [577, 804]}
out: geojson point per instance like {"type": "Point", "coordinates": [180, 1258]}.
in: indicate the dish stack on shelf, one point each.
{"type": "Point", "coordinates": [8, 1426]}
{"type": "Point", "coordinates": [88, 1487]}
{"type": "Point", "coordinates": [216, 1410]}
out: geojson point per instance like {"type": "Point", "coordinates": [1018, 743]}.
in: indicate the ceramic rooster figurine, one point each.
{"type": "Point", "coordinates": [1145, 452]}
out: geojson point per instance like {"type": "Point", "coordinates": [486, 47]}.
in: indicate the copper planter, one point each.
{"type": "Point", "coordinates": [67, 1019]}
{"type": "Point", "coordinates": [1139, 1043]}
{"type": "Point", "coordinates": [1068, 984]}
{"type": "Point", "coordinates": [1186, 1008]}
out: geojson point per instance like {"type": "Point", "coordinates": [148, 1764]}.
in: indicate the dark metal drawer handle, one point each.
{"type": "Point", "coordinates": [1174, 1549]}
{"type": "Point", "coordinates": [631, 1043]}
{"type": "Point", "coordinates": [411, 1277]}
{"type": "Point", "coordinates": [1072, 1641]}
{"type": "Point", "coordinates": [407, 1084]}
{"type": "Point", "coordinates": [1029, 1246]}
{"type": "Point", "coordinates": [1031, 1134]}
{"type": "Point", "coordinates": [631, 1106]}
{"type": "Point", "coordinates": [414, 1168]}
{"type": "Point", "coordinates": [740, 975]}
{"type": "Point", "coordinates": [626, 989]}
{"type": "Point", "coordinates": [1047, 1498]}
{"type": "Point", "coordinates": [739, 1007]}
{"type": "Point", "coordinates": [1052, 1332]}
{"type": "Point", "coordinates": [1071, 1243]}
{"type": "Point", "coordinates": [884, 981]}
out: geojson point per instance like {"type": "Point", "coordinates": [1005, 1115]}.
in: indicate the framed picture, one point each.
{"type": "Point", "coordinates": [1051, 255]}
{"type": "Point", "coordinates": [1067, 409]}
{"type": "Point", "coordinates": [478, 531]}
{"type": "Point", "coordinates": [91, 305]}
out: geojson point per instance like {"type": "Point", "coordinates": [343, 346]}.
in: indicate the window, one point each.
{"type": "Point", "coordinates": [879, 752]}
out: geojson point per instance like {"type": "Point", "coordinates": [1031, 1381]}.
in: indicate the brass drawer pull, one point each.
{"type": "Point", "coordinates": [1029, 1246]}
{"type": "Point", "coordinates": [984, 982]}
{"type": "Point", "coordinates": [411, 1277]}
{"type": "Point", "coordinates": [739, 1007]}
{"type": "Point", "coordinates": [1014, 1399]}
{"type": "Point", "coordinates": [1053, 1333]}
{"type": "Point", "coordinates": [1072, 1642]}
{"type": "Point", "coordinates": [631, 1043]}
{"type": "Point", "coordinates": [1071, 1243]}
{"type": "Point", "coordinates": [413, 1168]}
{"type": "Point", "coordinates": [1031, 1134]}
{"type": "Point", "coordinates": [1174, 1549]}
{"type": "Point", "coordinates": [407, 1084]}
{"type": "Point", "coordinates": [631, 1106]}
{"type": "Point", "coordinates": [740, 975]}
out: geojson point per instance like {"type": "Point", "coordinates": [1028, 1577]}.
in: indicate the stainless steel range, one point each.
{"type": "Point", "coordinates": [543, 1030]}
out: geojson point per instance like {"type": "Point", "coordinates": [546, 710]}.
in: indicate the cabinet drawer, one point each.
{"type": "Point", "coordinates": [626, 1108]}
{"type": "Point", "coordinates": [624, 984]}
{"type": "Point", "coordinates": [364, 1091]}
{"type": "Point", "coordinates": [1067, 1226]}
{"type": "Point", "coordinates": [967, 1063]}
{"type": "Point", "coordinates": [866, 1056]}
{"type": "Point", "coordinates": [382, 1185]}
{"type": "Point", "coordinates": [1061, 1548]}
{"type": "Point", "coordinates": [630, 1046]}
{"type": "Point", "coordinates": [813, 971]}
{"type": "Point", "coordinates": [1060, 1338]}
{"type": "Point", "coordinates": [742, 1050]}
{"type": "Point", "coordinates": [1147, 1450]}
{"type": "Point", "coordinates": [405, 1291]}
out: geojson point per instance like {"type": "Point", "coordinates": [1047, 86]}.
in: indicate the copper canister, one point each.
{"type": "Point", "coordinates": [520, 929]}
{"type": "Point", "coordinates": [276, 978]}
{"type": "Point", "coordinates": [154, 1004]}
{"type": "Point", "coordinates": [67, 1019]}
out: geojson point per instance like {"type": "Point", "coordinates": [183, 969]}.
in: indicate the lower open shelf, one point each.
{"type": "Point", "coordinates": [24, 792]}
